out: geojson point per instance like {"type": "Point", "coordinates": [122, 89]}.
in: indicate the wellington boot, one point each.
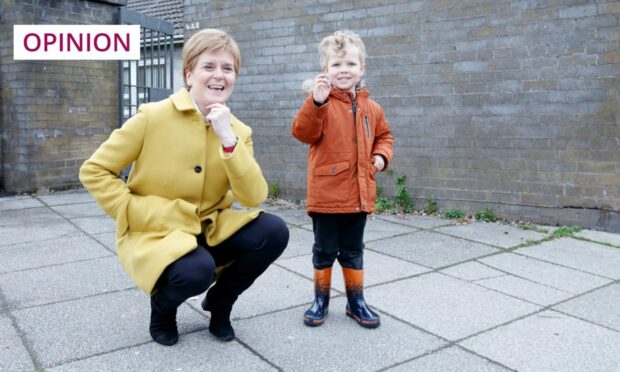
{"type": "Point", "coordinates": [315, 315]}
{"type": "Point", "coordinates": [356, 305]}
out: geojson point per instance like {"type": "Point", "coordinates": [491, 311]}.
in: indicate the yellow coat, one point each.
{"type": "Point", "coordinates": [181, 184]}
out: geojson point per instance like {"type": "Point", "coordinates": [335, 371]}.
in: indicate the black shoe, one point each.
{"type": "Point", "coordinates": [163, 327]}
{"type": "Point", "coordinates": [163, 336]}
{"type": "Point", "coordinates": [219, 326]}
{"type": "Point", "coordinates": [223, 330]}
{"type": "Point", "coordinates": [205, 304]}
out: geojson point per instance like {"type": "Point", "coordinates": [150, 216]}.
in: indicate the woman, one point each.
{"type": "Point", "coordinates": [174, 223]}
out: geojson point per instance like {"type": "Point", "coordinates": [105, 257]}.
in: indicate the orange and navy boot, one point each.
{"type": "Point", "coordinates": [315, 315]}
{"type": "Point", "coordinates": [356, 305]}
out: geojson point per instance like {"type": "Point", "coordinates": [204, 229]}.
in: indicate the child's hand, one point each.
{"type": "Point", "coordinates": [379, 163]}
{"type": "Point", "coordinates": [322, 87]}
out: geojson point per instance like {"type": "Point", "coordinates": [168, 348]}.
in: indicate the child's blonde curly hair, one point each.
{"type": "Point", "coordinates": [338, 41]}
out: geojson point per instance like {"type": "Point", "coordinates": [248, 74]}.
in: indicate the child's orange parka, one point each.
{"type": "Point", "coordinates": [343, 135]}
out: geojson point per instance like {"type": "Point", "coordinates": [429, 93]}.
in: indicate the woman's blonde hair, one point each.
{"type": "Point", "coordinates": [209, 40]}
{"type": "Point", "coordinates": [338, 42]}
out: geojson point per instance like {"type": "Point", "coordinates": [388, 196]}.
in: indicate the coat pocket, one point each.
{"type": "Point", "coordinates": [332, 183]}
{"type": "Point", "coordinates": [156, 214]}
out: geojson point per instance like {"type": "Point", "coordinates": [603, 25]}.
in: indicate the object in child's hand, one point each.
{"type": "Point", "coordinates": [308, 86]}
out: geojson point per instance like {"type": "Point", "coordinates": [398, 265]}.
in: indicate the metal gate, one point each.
{"type": "Point", "coordinates": [150, 78]}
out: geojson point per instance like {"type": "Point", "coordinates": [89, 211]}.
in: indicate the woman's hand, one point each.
{"type": "Point", "coordinates": [379, 163]}
{"type": "Point", "coordinates": [322, 87]}
{"type": "Point", "coordinates": [219, 117]}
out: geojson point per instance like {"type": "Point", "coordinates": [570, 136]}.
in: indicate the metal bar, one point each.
{"type": "Point", "coordinates": [151, 52]}
{"type": "Point", "coordinates": [165, 61]}
{"type": "Point", "coordinates": [122, 95]}
{"type": "Point", "coordinates": [171, 51]}
{"type": "Point", "coordinates": [158, 62]}
{"type": "Point", "coordinates": [129, 95]}
{"type": "Point", "coordinates": [144, 56]}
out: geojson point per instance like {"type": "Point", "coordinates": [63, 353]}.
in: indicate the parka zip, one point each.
{"type": "Point", "coordinates": [367, 127]}
{"type": "Point", "coordinates": [354, 109]}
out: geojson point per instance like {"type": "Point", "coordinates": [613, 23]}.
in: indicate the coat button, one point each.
{"type": "Point", "coordinates": [333, 169]}
{"type": "Point", "coordinates": [198, 169]}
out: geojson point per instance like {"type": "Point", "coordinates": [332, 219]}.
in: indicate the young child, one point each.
{"type": "Point", "coordinates": [350, 141]}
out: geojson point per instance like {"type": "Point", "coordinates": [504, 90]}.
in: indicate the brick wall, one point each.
{"type": "Point", "coordinates": [512, 105]}
{"type": "Point", "coordinates": [53, 113]}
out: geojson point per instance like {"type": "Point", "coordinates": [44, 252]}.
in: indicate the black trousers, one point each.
{"type": "Point", "coordinates": [338, 236]}
{"type": "Point", "coordinates": [253, 248]}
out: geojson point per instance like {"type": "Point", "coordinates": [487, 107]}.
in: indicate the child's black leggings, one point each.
{"type": "Point", "coordinates": [338, 236]}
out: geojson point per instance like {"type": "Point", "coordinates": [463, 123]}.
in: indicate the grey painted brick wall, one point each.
{"type": "Point", "coordinates": [53, 113]}
{"type": "Point", "coordinates": [512, 105]}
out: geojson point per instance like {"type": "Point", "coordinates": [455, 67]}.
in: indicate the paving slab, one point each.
{"type": "Point", "coordinates": [600, 236]}
{"type": "Point", "coordinates": [420, 222]}
{"type": "Point", "coordinates": [379, 229]}
{"type": "Point", "coordinates": [63, 282]}
{"type": "Point", "coordinates": [13, 354]}
{"type": "Point", "coordinates": [49, 252]}
{"type": "Point", "coordinates": [472, 271]}
{"type": "Point", "coordinates": [107, 239]}
{"type": "Point", "coordinates": [550, 341]}
{"type": "Point", "coordinates": [274, 290]}
{"type": "Point", "coordinates": [67, 197]}
{"type": "Point", "coordinates": [339, 344]}
{"type": "Point", "coordinates": [32, 225]}
{"type": "Point", "coordinates": [447, 307]}
{"type": "Point", "coordinates": [581, 255]}
{"type": "Point", "coordinates": [495, 234]}
{"type": "Point", "coordinates": [79, 210]}
{"type": "Point", "coordinates": [299, 243]}
{"type": "Point", "coordinates": [475, 272]}
{"type": "Point", "coordinates": [307, 226]}
{"type": "Point", "coordinates": [19, 202]}
{"type": "Point", "coordinates": [600, 306]}
{"type": "Point", "coordinates": [96, 224]}
{"type": "Point", "coordinates": [194, 352]}
{"type": "Point", "coordinates": [432, 249]}
{"type": "Point", "coordinates": [452, 359]}
{"type": "Point", "coordinates": [378, 268]}
{"type": "Point", "coordinates": [527, 290]}
{"type": "Point", "coordinates": [296, 217]}
{"type": "Point", "coordinates": [554, 276]}
{"type": "Point", "coordinates": [71, 330]}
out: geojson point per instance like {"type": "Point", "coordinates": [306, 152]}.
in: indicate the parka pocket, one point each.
{"type": "Point", "coordinates": [372, 169]}
{"type": "Point", "coordinates": [332, 182]}
{"type": "Point", "coordinates": [372, 184]}
{"type": "Point", "coordinates": [331, 169]}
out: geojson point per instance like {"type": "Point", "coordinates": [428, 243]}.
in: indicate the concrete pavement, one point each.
{"type": "Point", "coordinates": [474, 297]}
